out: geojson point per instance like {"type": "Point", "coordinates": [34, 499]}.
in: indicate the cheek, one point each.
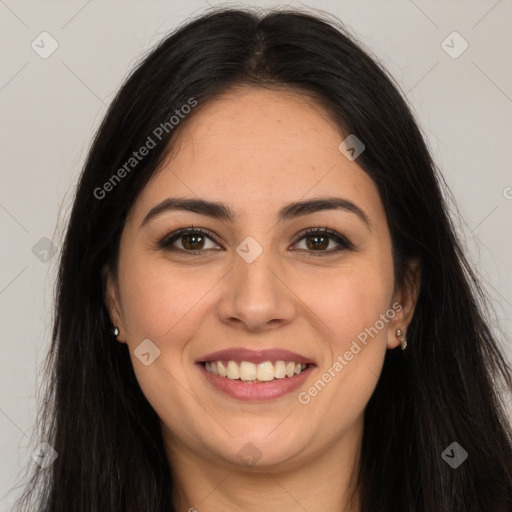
{"type": "Point", "coordinates": [352, 303]}
{"type": "Point", "coordinates": [159, 299]}
{"type": "Point", "coordinates": [162, 300]}
{"type": "Point", "coordinates": [348, 299]}
{"type": "Point", "coordinates": [164, 304]}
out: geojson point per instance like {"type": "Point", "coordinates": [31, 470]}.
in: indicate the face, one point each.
{"type": "Point", "coordinates": [258, 282]}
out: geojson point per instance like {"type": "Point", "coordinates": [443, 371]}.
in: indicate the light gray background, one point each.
{"type": "Point", "coordinates": [51, 107]}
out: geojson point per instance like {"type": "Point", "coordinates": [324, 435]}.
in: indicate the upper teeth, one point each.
{"type": "Point", "coordinates": [249, 371]}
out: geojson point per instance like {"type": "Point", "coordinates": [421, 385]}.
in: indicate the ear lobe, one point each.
{"type": "Point", "coordinates": [111, 296]}
{"type": "Point", "coordinates": [407, 296]}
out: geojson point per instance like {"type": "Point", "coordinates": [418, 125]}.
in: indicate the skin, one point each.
{"type": "Point", "coordinates": [256, 150]}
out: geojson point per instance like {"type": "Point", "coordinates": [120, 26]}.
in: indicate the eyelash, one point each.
{"type": "Point", "coordinates": [166, 242]}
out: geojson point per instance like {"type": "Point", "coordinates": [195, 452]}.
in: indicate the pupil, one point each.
{"type": "Point", "coordinates": [317, 245]}
{"type": "Point", "coordinates": [187, 243]}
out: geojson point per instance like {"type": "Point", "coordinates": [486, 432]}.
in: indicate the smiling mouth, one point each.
{"type": "Point", "coordinates": [247, 371]}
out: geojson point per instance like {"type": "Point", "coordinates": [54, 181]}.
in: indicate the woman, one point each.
{"type": "Point", "coordinates": [261, 299]}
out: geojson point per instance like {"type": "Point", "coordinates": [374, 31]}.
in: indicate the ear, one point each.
{"type": "Point", "coordinates": [112, 303]}
{"type": "Point", "coordinates": [404, 303]}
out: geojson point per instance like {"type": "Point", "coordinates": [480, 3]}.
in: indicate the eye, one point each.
{"type": "Point", "coordinates": [318, 239]}
{"type": "Point", "coordinates": [191, 240]}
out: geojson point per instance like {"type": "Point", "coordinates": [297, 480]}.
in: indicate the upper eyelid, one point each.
{"type": "Point", "coordinates": [178, 233]}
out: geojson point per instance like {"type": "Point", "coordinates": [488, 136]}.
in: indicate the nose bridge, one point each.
{"type": "Point", "coordinates": [255, 294]}
{"type": "Point", "coordinates": [256, 274]}
{"type": "Point", "coordinates": [254, 271]}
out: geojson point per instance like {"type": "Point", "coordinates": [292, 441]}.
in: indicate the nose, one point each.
{"type": "Point", "coordinates": [255, 296]}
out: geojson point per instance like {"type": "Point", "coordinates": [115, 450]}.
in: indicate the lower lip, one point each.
{"type": "Point", "coordinates": [252, 391]}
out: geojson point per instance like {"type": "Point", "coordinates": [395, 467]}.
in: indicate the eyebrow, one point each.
{"type": "Point", "coordinates": [223, 212]}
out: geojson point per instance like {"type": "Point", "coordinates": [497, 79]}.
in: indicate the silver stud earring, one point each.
{"type": "Point", "coordinates": [401, 336]}
{"type": "Point", "coordinates": [115, 331]}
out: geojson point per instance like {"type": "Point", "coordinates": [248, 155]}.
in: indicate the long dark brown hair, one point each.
{"type": "Point", "coordinates": [442, 389]}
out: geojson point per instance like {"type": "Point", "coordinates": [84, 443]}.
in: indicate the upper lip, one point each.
{"type": "Point", "coordinates": [254, 356]}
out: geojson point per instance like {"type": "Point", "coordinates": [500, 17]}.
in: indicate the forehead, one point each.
{"type": "Point", "coordinates": [255, 149]}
